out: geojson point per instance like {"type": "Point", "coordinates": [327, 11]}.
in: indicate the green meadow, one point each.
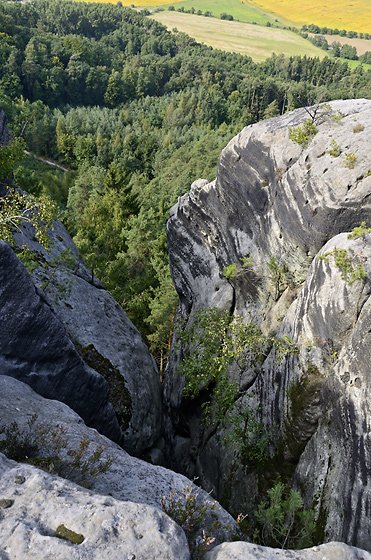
{"type": "Point", "coordinates": [238, 9]}
{"type": "Point", "coordinates": [256, 41]}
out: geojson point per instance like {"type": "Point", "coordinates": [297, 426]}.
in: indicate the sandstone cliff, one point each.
{"type": "Point", "coordinates": [274, 198]}
{"type": "Point", "coordinates": [64, 342]}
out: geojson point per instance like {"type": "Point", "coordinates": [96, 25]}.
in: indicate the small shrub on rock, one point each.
{"type": "Point", "coordinates": [304, 133]}
{"type": "Point", "coordinates": [349, 160]}
{"type": "Point", "coordinates": [18, 444]}
{"type": "Point", "coordinates": [46, 447]}
{"type": "Point", "coordinates": [334, 149]}
{"type": "Point", "coordinates": [283, 522]}
{"type": "Point", "coordinates": [197, 518]}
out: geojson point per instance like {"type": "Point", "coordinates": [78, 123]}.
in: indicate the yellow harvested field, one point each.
{"type": "Point", "coordinates": [137, 4]}
{"type": "Point", "coordinates": [143, 3]}
{"type": "Point", "coordinates": [253, 40]}
{"type": "Point", "coordinates": [341, 14]}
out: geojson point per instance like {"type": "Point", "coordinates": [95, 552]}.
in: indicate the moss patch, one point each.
{"type": "Point", "coordinates": [305, 401]}
{"type": "Point", "coordinates": [119, 395]}
{"type": "Point", "coordinates": [5, 503]}
{"type": "Point", "coordinates": [63, 533]}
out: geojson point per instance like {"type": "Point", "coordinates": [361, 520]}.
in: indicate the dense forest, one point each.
{"type": "Point", "coordinates": [133, 114]}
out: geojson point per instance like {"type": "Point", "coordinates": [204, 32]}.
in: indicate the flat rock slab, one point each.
{"type": "Point", "coordinates": [248, 551]}
{"type": "Point", "coordinates": [96, 527]}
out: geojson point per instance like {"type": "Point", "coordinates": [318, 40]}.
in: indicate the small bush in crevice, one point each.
{"type": "Point", "coordinates": [197, 519]}
{"type": "Point", "coordinates": [334, 149]}
{"type": "Point", "coordinates": [349, 160]}
{"type": "Point", "coordinates": [283, 522]}
{"type": "Point", "coordinates": [19, 444]}
{"type": "Point", "coordinates": [47, 448]}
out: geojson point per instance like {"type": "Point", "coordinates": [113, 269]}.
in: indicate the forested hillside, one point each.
{"type": "Point", "coordinates": [134, 114]}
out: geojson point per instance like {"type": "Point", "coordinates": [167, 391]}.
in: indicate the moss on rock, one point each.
{"type": "Point", "coordinates": [63, 533]}
{"type": "Point", "coordinates": [5, 503]}
{"type": "Point", "coordinates": [119, 395]}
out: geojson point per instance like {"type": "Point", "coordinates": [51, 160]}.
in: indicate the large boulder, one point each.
{"type": "Point", "coordinates": [47, 517]}
{"type": "Point", "coordinates": [35, 348]}
{"type": "Point", "coordinates": [104, 336]}
{"type": "Point", "coordinates": [278, 203]}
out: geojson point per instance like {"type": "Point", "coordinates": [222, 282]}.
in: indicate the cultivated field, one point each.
{"type": "Point", "coordinates": [259, 41]}
{"type": "Point", "coordinates": [341, 14]}
{"type": "Point", "coordinates": [253, 40]}
{"type": "Point", "coordinates": [241, 11]}
{"type": "Point", "coordinates": [362, 45]}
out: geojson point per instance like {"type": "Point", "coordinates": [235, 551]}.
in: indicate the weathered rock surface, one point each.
{"type": "Point", "coordinates": [107, 527]}
{"type": "Point", "coordinates": [275, 198]}
{"type": "Point", "coordinates": [35, 348]}
{"type": "Point", "coordinates": [129, 480]}
{"type": "Point", "coordinates": [247, 551]}
{"type": "Point", "coordinates": [271, 197]}
{"type": "Point", "coordinates": [330, 436]}
{"type": "Point", "coordinates": [107, 362]}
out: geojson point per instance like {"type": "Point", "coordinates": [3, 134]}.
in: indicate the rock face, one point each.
{"type": "Point", "coordinates": [104, 336]}
{"type": "Point", "coordinates": [280, 204]}
{"type": "Point", "coordinates": [64, 335]}
{"type": "Point", "coordinates": [35, 348]}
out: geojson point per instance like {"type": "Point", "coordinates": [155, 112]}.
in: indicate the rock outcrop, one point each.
{"type": "Point", "coordinates": [279, 203]}
{"type": "Point", "coordinates": [103, 335]}
{"type": "Point", "coordinates": [121, 514]}
{"type": "Point", "coordinates": [35, 348]}
{"type": "Point", "coordinates": [64, 334]}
